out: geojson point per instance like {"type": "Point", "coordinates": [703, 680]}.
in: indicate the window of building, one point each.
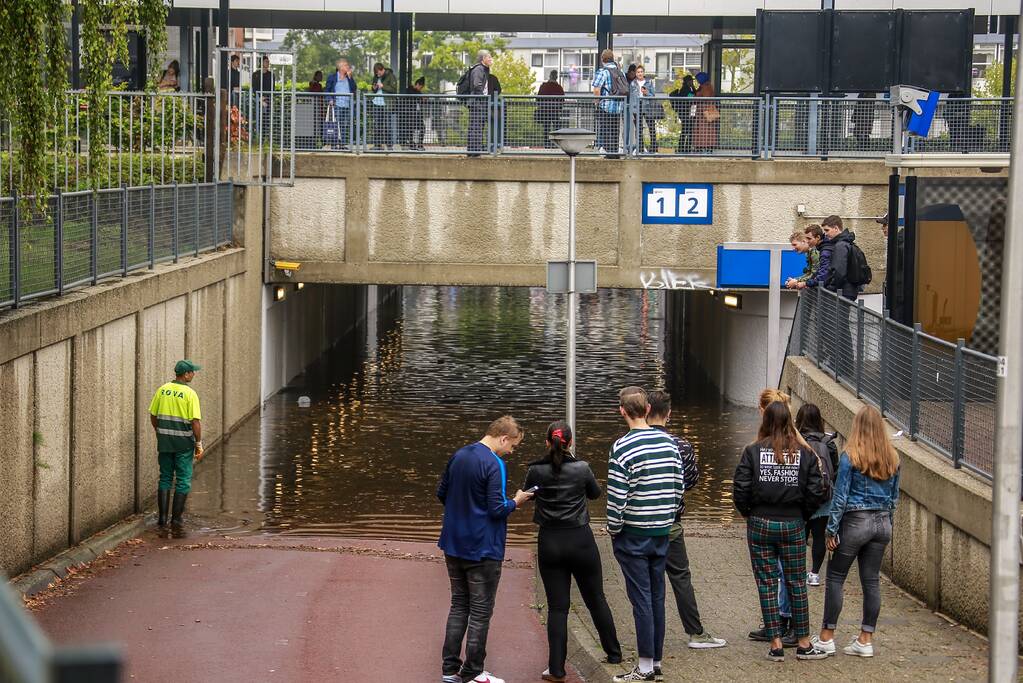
{"type": "Point", "coordinates": [537, 60]}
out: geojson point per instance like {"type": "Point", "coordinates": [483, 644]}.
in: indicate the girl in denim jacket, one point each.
{"type": "Point", "coordinates": [860, 526]}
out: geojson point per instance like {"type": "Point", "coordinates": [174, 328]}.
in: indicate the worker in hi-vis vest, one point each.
{"type": "Point", "coordinates": [174, 413]}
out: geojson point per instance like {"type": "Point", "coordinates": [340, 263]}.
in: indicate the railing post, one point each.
{"type": "Point", "coordinates": [914, 390]}
{"type": "Point", "coordinates": [152, 226]}
{"type": "Point", "coordinates": [216, 215]}
{"type": "Point", "coordinates": [958, 407]}
{"type": "Point", "coordinates": [16, 252]}
{"type": "Point", "coordinates": [859, 347]}
{"type": "Point", "coordinates": [195, 243]}
{"type": "Point", "coordinates": [58, 251]}
{"type": "Point", "coordinates": [174, 232]}
{"type": "Point", "coordinates": [230, 206]}
{"type": "Point", "coordinates": [124, 230]}
{"type": "Point", "coordinates": [94, 256]}
{"type": "Point", "coordinates": [835, 350]}
{"type": "Point", "coordinates": [884, 362]}
{"type": "Point", "coordinates": [820, 326]}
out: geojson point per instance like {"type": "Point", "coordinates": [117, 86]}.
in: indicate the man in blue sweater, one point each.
{"type": "Point", "coordinates": [476, 509]}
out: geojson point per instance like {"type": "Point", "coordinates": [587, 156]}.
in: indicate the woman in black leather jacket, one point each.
{"type": "Point", "coordinates": [566, 548]}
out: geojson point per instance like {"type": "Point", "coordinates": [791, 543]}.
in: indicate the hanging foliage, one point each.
{"type": "Point", "coordinates": [33, 79]}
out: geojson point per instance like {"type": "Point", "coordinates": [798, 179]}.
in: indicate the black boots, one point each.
{"type": "Point", "coordinates": [179, 508]}
{"type": "Point", "coordinates": [162, 504]}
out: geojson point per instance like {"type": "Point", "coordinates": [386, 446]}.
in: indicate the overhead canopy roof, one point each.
{"type": "Point", "coordinates": [551, 16]}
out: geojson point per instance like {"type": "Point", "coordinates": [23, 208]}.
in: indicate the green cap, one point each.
{"type": "Point", "coordinates": [183, 366]}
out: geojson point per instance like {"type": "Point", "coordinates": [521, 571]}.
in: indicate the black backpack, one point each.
{"type": "Point", "coordinates": [464, 84]}
{"type": "Point", "coordinates": [619, 85]}
{"type": "Point", "coordinates": [857, 270]}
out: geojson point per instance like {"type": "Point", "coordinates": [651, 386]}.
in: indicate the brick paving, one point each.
{"type": "Point", "coordinates": [911, 644]}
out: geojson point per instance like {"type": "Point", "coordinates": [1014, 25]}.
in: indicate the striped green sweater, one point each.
{"type": "Point", "coordinates": [644, 483]}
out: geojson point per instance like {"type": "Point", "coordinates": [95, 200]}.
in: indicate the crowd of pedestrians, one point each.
{"type": "Point", "coordinates": [787, 479]}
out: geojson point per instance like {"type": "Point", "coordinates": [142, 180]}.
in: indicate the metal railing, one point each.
{"type": "Point", "coordinates": [27, 656]}
{"type": "Point", "coordinates": [823, 127]}
{"type": "Point", "coordinates": [940, 393]}
{"type": "Point", "coordinates": [84, 237]}
{"type": "Point", "coordinates": [146, 138]}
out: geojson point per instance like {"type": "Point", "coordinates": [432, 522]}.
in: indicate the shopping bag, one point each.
{"type": "Point", "coordinates": [331, 133]}
{"type": "Point", "coordinates": [711, 114]}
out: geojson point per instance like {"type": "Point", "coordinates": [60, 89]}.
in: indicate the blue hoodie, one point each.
{"type": "Point", "coordinates": [476, 506]}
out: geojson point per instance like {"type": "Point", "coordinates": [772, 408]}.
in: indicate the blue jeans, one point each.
{"type": "Point", "coordinates": [642, 559]}
{"type": "Point", "coordinates": [784, 605]}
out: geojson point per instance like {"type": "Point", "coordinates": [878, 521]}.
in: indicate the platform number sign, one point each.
{"type": "Point", "coordinates": [678, 203]}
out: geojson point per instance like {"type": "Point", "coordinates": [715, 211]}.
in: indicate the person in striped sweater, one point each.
{"type": "Point", "coordinates": [644, 494]}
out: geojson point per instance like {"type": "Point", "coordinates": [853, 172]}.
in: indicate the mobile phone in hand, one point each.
{"type": "Point", "coordinates": [533, 489]}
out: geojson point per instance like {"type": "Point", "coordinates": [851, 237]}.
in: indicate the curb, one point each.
{"type": "Point", "coordinates": [584, 651]}
{"type": "Point", "coordinates": [41, 576]}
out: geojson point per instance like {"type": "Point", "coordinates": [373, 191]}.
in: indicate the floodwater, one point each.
{"type": "Point", "coordinates": [391, 403]}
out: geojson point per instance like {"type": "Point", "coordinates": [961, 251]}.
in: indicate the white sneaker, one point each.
{"type": "Point", "coordinates": [705, 641]}
{"type": "Point", "coordinates": [858, 649]}
{"type": "Point", "coordinates": [813, 579]}
{"type": "Point", "coordinates": [487, 677]}
{"type": "Point", "coordinates": [824, 645]}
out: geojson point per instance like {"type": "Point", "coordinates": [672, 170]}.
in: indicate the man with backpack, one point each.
{"type": "Point", "coordinates": [475, 82]}
{"type": "Point", "coordinates": [609, 84]}
{"type": "Point", "coordinates": [846, 272]}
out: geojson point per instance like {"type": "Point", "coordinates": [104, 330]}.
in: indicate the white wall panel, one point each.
{"type": "Point", "coordinates": [792, 4]}
{"type": "Point", "coordinates": [654, 8]}
{"type": "Point", "coordinates": [349, 5]}
{"type": "Point", "coordinates": [278, 4]}
{"type": "Point", "coordinates": [864, 4]}
{"type": "Point", "coordinates": [944, 5]}
{"type": "Point", "coordinates": [435, 6]}
{"type": "Point", "coordinates": [197, 4]}
{"type": "Point", "coordinates": [711, 8]}
{"type": "Point", "coordinates": [591, 7]}
{"type": "Point", "coordinates": [495, 7]}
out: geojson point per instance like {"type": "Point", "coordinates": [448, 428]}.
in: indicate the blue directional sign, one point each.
{"type": "Point", "coordinates": [678, 203]}
{"type": "Point", "coordinates": [752, 268]}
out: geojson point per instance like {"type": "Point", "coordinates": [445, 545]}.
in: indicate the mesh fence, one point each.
{"type": "Point", "coordinates": [968, 125]}
{"type": "Point", "coordinates": [82, 237]}
{"type": "Point", "coordinates": [800, 126]}
{"type": "Point", "coordinates": [325, 121]}
{"type": "Point", "coordinates": [941, 394]}
{"type": "Point", "coordinates": [427, 123]}
{"type": "Point", "coordinates": [109, 205]}
{"type": "Point", "coordinates": [527, 121]}
{"type": "Point", "coordinates": [725, 126]}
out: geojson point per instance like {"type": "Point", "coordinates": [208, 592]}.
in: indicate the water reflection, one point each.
{"type": "Point", "coordinates": [391, 404]}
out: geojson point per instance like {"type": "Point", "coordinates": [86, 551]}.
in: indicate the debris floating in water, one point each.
{"type": "Point", "coordinates": [303, 402]}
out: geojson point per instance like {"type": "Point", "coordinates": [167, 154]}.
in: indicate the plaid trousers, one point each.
{"type": "Point", "coordinates": [771, 541]}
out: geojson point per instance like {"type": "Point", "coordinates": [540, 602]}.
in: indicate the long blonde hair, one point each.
{"type": "Point", "coordinates": [869, 449]}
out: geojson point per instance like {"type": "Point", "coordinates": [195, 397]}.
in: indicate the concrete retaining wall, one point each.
{"type": "Point", "coordinates": [448, 220]}
{"type": "Point", "coordinates": [77, 374]}
{"type": "Point", "coordinates": [941, 543]}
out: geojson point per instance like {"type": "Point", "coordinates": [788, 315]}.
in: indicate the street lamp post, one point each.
{"type": "Point", "coordinates": [572, 141]}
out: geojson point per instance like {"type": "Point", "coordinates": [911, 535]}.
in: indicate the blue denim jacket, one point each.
{"type": "Point", "coordinates": [856, 491]}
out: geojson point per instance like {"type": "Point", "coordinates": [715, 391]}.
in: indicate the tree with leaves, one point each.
{"type": "Point", "coordinates": [991, 84]}
{"type": "Point", "coordinates": [515, 75]}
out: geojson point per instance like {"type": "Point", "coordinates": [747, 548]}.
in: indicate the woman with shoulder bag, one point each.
{"type": "Point", "coordinates": [566, 547]}
{"type": "Point", "coordinates": [860, 526]}
{"type": "Point", "coordinates": [777, 484]}
{"type": "Point", "coordinates": [705, 135]}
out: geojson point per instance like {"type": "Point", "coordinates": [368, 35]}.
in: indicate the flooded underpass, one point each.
{"type": "Point", "coordinates": [390, 403]}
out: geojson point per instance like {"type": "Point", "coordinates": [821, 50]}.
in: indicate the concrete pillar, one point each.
{"type": "Point", "coordinates": [185, 50]}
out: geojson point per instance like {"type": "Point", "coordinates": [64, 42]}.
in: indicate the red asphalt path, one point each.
{"type": "Point", "coordinates": [288, 609]}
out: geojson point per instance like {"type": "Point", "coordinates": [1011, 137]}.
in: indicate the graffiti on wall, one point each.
{"type": "Point", "coordinates": [667, 279]}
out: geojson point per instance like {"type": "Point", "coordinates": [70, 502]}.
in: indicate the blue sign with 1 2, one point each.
{"type": "Point", "coordinates": [678, 203]}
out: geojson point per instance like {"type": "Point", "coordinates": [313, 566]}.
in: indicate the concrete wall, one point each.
{"type": "Point", "coordinates": [941, 541]}
{"type": "Point", "coordinates": [729, 345]}
{"type": "Point", "coordinates": [77, 374]}
{"type": "Point", "coordinates": [448, 220]}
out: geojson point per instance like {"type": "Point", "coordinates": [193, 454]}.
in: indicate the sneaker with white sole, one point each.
{"type": "Point", "coordinates": [805, 653]}
{"type": "Point", "coordinates": [705, 641]}
{"type": "Point", "coordinates": [634, 675]}
{"type": "Point", "coordinates": [548, 676]}
{"type": "Point", "coordinates": [825, 645]}
{"type": "Point", "coordinates": [658, 674]}
{"type": "Point", "coordinates": [451, 678]}
{"type": "Point", "coordinates": [813, 579]}
{"type": "Point", "coordinates": [858, 649]}
{"type": "Point", "coordinates": [487, 677]}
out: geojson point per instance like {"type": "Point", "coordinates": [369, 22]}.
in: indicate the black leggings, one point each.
{"type": "Point", "coordinates": [563, 554]}
{"type": "Point", "coordinates": [816, 527]}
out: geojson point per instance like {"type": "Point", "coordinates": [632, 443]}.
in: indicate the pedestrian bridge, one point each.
{"type": "Point", "coordinates": [414, 219]}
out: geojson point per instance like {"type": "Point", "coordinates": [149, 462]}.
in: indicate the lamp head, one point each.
{"type": "Point", "coordinates": [572, 141]}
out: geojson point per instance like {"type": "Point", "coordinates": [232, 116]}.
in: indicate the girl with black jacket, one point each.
{"type": "Point", "coordinates": [566, 547]}
{"type": "Point", "coordinates": [811, 426]}
{"type": "Point", "coordinates": [777, 485]}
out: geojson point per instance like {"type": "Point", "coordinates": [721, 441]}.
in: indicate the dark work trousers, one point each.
{"type": "Point", "coordinates": [863, 536]}
{"type": "Point", "coordinates": [816, 528]}
{"type": "Point", "coordinates": [477, 122]}
{"type": "Point", "coordinates": [563, 554]}
{"type": "Point", "coordinates": [608, 129]}
{"type": "Point", "coordinates": [677, 569]}
{"type": "Point", "coordinates": [642, 559]}
{"type": "Point", "coordinates": [473, 588]}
